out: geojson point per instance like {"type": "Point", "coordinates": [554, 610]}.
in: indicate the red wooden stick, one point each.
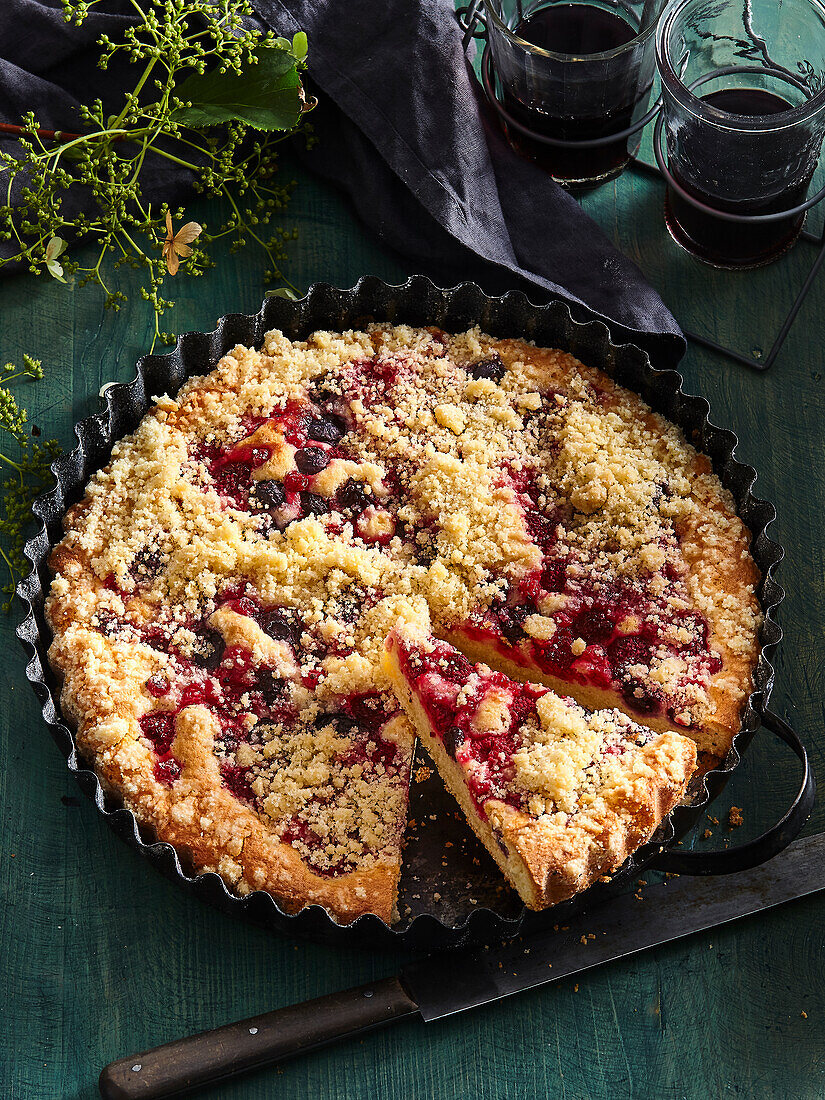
{"type": "Point", "coordinates": [48, 135]}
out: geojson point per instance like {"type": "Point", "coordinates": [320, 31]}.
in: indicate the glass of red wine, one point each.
{"type": "Point", "coordinates": [579, 75]}
{"type": "Point", "coordinates": [743, 87]}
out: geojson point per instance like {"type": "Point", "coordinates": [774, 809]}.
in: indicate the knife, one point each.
{"type": "Point", "coordinates": [443, 984]}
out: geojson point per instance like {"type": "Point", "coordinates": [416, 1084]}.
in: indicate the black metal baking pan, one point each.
{"type": "Point", "coordinates": [450, 894]}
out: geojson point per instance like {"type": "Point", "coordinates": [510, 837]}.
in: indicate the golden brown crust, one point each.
{"type": "Point", "coordinates": [200, 816]}
{"type": "Point", "coordinates": [723, 570]}
{"type": "Point", "coordinates": [443, 458]}
{"type": "Point", "coordinates": [104, 698]}
{"type": "Point", "coordinates": [549, 856]}
{"type": "Point", "coordinates": [563, 862]}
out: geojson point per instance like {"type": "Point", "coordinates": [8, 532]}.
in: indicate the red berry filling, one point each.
{"type": "Point", "coordinates": [318, 438]}
{"type": "Point", "coordinates": [225, 679]}
{"type": "Point", "coordinates": [438, 677]}
{"type": "Point", "coordinates": [146, 565]}
{"type": "Point", "coordinates": [236, 780]}
{"type": "Point", "coordinates": [597, 611]}
{"type": "Point", "coordinates": [158, 685]}
{"type": "Point", "coordinates": [492, 367]}
{"type": "Point", "coordinates": [594, 625]}
{"type": "Point", "coordinates": [231, 468]}
{"type": "Point", "coordinates": [159, 729]}
{"type": "Point", "coordinates": [371, 379]}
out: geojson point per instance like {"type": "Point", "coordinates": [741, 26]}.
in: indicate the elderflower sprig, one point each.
{"type": "Point", "coordinates": [212, 95]}
{"type": "Point", "coordinates": [25, 472]}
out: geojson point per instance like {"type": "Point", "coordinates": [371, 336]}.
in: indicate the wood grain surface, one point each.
{"type": "Point", "coordinates": [101, 957]}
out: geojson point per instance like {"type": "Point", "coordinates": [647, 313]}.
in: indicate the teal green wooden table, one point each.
{"type": "Point", "coordinates": [100, 956]}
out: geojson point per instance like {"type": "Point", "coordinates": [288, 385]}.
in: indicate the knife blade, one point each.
{"type": "Point", "coordinates": [443, 985]}
{"type": "Point", "coordinates": [621, 927]}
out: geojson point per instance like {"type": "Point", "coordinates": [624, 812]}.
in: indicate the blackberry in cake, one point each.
{"type": "Point", "coordinates": [223, 592]}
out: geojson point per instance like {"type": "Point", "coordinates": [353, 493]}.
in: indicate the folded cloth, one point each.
{"type": "Point", "coordinates": [396, 71]}
{"type": "Point", "coordinates": [402, 128]}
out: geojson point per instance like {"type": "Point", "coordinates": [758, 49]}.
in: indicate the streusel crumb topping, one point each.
{"type": "Point", "coordinates": [523, 746]}
{"type": "Point", "coordinates": [245, 553]}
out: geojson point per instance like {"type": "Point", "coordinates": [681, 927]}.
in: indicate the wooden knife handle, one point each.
{"type": "Point", "coordinates": [212, 1056]}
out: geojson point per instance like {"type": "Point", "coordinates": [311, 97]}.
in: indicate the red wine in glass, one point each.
{"type": "Point", "coordinates": [737, 244]}
{"type": "Point", "coordinates": [576, 98]}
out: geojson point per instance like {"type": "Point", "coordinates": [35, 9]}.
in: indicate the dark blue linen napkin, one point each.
{"type": "Point", "coordinates": [412, 132]}
{"type": "Point", "coordinates": [403, 129]}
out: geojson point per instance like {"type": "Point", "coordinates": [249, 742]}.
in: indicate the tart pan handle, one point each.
{"type": "Point", "coordinates": [763, 847]}
{"type": "Point", "coordinates": [198, 1060]}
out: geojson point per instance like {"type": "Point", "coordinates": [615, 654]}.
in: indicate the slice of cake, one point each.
{"type": "Point", "coordinates": [559, 795]}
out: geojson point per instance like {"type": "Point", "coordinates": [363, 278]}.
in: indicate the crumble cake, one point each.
{"type": "Point", "coordinates": [559, 795]}
{"type": "Point", "coordinates": [223, 592]}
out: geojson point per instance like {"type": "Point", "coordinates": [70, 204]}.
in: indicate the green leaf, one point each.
{"type": "Point", "coordinates": [266, 96]}
{"type": "Point", "coordinates": [299, 46]}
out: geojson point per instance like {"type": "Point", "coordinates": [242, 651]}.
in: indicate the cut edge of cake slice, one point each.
{"type": "Point", "coordinates": [591, 787]}
{"type": "Point", "coordinates": [713, 735]}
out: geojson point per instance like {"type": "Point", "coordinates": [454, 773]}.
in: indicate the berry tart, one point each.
{"type": "Point", "coordinates": [559, 795]}
{"type": "Point", "coordinates": [224, 590]}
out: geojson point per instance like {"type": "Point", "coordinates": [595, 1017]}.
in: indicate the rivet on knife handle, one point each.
{"type": "Point", "coordinates": [185, 1064]}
